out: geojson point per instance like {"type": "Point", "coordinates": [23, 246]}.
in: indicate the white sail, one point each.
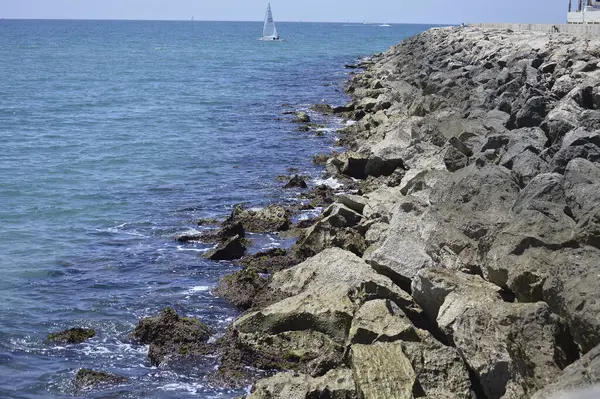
{"type": "Point", "coordinates": [269, 30]}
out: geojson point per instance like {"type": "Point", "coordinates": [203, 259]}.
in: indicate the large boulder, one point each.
{"type": "Point", "coordinates": [171, 336]}
{"type": "Point", "coordinates": [577, 143]}
{"type": "Point", "coordinates": [584, 373]}
{"type": "Point", "coordinates": [445, 294]}
{"type": "Point", "coordinates": [380, 320]}
{"type": "Point", "coordinates": [382, 371]}
{"type": "Point", "coordinates": [513, 348]}
{"type": "Point", "coordinates": [440, 370]}
{"type": "Point", "coordinates": [402, 254]}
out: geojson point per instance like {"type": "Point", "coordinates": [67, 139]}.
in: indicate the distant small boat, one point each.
{"type": "Point", "coordinates": [385, 25]}
{"type": "Point", "coordinates": [269, 30]}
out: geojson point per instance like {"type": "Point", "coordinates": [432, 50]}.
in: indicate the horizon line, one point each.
{"type": "Point", "coordinates": [220, 20]}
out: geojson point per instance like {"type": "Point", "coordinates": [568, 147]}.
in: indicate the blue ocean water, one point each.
{"type": "Point", "coordinates": [115, 136]}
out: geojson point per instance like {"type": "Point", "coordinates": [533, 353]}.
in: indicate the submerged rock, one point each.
{"type": "Point", "coordinates": [87, 379]}
{"type": "Point", "coordinates": [74, 335]}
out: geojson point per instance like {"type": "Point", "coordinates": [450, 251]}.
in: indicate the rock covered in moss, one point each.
{"type": "Point", "coordinates": [171, 336]}
{"type": "Point", "coordinates": [265, 220]}
{"type": "Point", "coordinates": [74, 335]}
{"type": "Point", "coordinates": [87, 379]}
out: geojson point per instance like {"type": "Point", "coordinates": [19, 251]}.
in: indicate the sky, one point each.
{"type": "Point", "coordinates": [391, 11]}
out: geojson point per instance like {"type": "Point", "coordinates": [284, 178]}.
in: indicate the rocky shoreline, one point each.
{"type": "Point", "coordinates": [460, 257]}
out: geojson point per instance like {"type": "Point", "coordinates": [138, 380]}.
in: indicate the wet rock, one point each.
{"type": "Point", "coordinates": [322, 108]}
{"type": "Point", "coordinates": [171, 336]}
{"type": "Point", "coordinates": [320, 159]}
{"type": "Point", "coordinates": [301, 117]}
{"type": "Point", "coordinates": [227, 231]}
{"type": "Point", "coordinates": [321, 195]}
{"type": "Point", "coordinates": [272, 218]}
{"type": "Point", "coordinates": [233, 248]}
{"type": "Point", "coordinates": [296, 181]}
{"type": "Point", "coordinates": [74, 335]}
{"type": "Point", "coordinates": [87, 379]}
{"type": "Point", "coordinates": [270, 261]}
{"type": "Point", "coordinates": [247, 289]}
{"type": "Point", "coordinates": [338, 384]}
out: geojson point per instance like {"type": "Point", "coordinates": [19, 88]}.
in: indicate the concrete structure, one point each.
{"type": "Point", "coordinates": [575, 29]}
{"type": "Point", "coordinates": [588, 12]}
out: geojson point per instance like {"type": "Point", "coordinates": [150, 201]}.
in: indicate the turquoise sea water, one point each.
{"type": "Point", "coordinates": [115, 137]}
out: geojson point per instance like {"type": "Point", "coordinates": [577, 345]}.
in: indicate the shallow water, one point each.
{"type": "Point", "coordinates": [115, 137]}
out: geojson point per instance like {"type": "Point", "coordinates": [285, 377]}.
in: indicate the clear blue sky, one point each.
{"type": "Point", "coordinates": [408, 11]}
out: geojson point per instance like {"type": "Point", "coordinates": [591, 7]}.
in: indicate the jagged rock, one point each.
{"type": "Point", "coordinates": [87, 379]}
{"type": "Point", "coordinates": [382, 371]}
{"type": "Point", "coordinates": [455, 159]}
{"type": "Point", "coordinates": [440, 371]}
{"type": "Point", "coordinates": [265, 220]}
{"type": "Point", "coordinates": [511, 347]}
{"type": "Point", "coordinates": [539, 221]}
{"type": "Point", "coordinates": [533, 112]}
{"type": "Point", "coordinates": [74, 335]}
{"type": "Point", "coordinates": [171, 336]}
{"type": "Point", "coordinates": [335, 265]}
{"type": "Point", "coordinates": [354, 202]}
{"type": "Point", "coordinates": [460, 146]}
{"type": "Point", "coordinates": [296, 181]}
{"type": "Point", "coordinates": [227, 231]}
{"type": "Point", "coordinates": [584, 373]}
{"type": "Point", "coordinates": [445, 294]}
{"type": "Point", "coordinates": [233, 248]}
{"type": "Point", "coordinates": [332, 231]}
{"type": "Point", "coordinates": [341, 216]}
{"type": "Point", "coordinates": [377, 166]}
{"type": "Point", "coordinates": [402, 254]}
{"type": "Point", "coordinates": [578, 143]}
{"type": "Point", "coordinates": [380, 320]}
{"type": "Point", "coordinates": [336, 384]}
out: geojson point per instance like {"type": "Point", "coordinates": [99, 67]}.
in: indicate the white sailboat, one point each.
{"type": "Point", "coordinates": [269, 30]}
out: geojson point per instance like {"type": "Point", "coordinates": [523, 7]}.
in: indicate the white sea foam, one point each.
{"type": "Point", "coordinates": [201, 250]}
{"type": "Point", "coordinates": [199, 288]}
{"type": "Point", "coordinates": [331, 182]}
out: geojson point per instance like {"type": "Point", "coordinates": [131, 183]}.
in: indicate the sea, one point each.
{"type": "Point", "coordinates": [118, 136]}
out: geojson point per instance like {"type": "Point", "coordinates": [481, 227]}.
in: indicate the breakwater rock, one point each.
{"type": "Point", "coordinates": [466, 266]}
